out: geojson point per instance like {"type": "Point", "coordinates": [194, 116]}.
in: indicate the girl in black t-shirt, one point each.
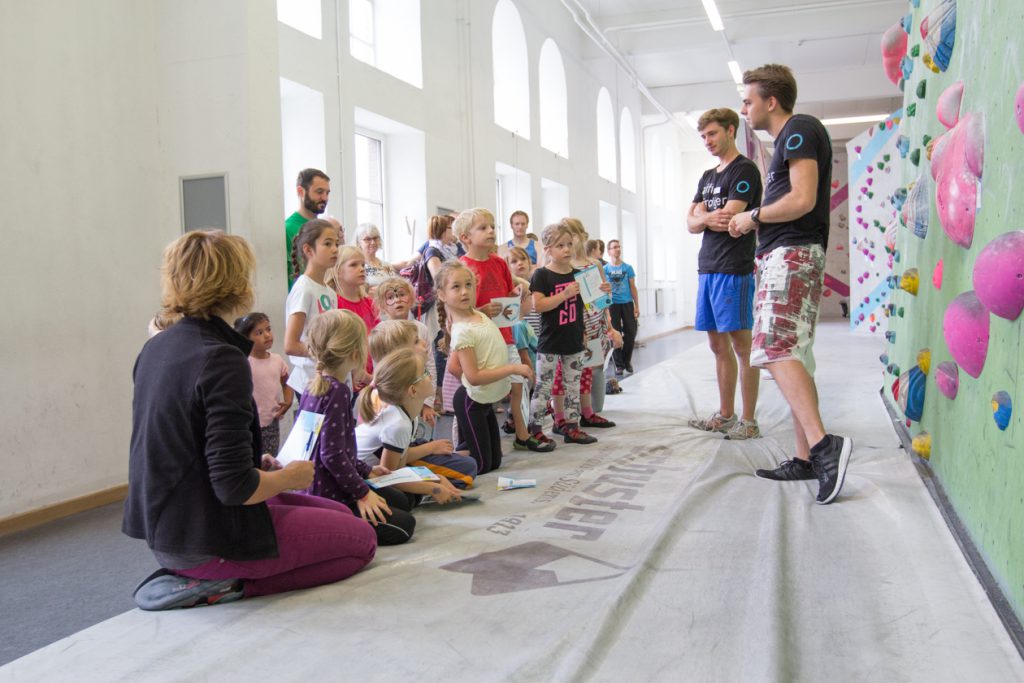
{"type": "Point", "coordinates": [556, 298]}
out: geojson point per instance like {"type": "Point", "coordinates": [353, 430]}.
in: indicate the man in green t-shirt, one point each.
{"type": "Point", "coordinates": [313, 188]}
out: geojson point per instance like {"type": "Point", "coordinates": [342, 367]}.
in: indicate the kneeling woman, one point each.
{"type": "Point", "coordinates": [220, 519]}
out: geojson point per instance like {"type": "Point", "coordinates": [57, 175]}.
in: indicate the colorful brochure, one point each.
{"type": "Point", "coordinates": [590, 288]}
{"type": "Point", "coordinates": [509, 313]}
{"type": "Point", "coordinates": [508, 483]}
{"type": "Point", "coordinates": [302, 438]}
{"type": "Point", "coordinates": [405, 475]}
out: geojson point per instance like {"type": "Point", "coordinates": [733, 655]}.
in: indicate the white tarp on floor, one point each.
{"type": "Point", "coordinates": [655, 555]}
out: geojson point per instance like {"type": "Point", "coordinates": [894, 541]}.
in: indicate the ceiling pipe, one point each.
{"type": "Point", "coordinates": [590, 28]}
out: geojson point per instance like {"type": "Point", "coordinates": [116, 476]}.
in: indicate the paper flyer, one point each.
{"type": "Point", "coordinates": [593, 354]}
{"type": "Point", "coordinates": [509, 313]}
{"type": "Point", "coordinates": [590, 288]}
{"type": "Point", "coordinates": [302, 438]}
{"type": "Point", "coordinates": [405, 475]}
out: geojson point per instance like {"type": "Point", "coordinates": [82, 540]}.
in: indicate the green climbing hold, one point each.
{"type": "Point", "coordinates": [915, 157]}
{"type": "Point", "coordinates": [871, 195]}
{"type": "Point", "coordinates": [911, 109]}
{"type": "Point", "coordinates": [921, 88]}
{"type": "Point", "coordinates": [886, 157]}
{"type": "Point", "coordinates": [902, 84]}
{"type": "Point", "coordinates": [881, 126]}
{"type": "Point", "coordinates": [915, 51]}
{"type": "Point", "coordinates": [880, 165]}
{"type": "Point", "coordinates": [926, 139]}
{"type": "Point", "coordinates": [899, 311]}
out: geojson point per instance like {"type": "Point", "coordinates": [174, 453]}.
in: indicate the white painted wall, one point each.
{"type": "Point", "coordinates": [122, 98]}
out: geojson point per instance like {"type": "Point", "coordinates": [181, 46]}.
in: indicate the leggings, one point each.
{"type": "Point", "coordinates": [478, 429]}
{"type": "Point", "coordinates": [319, 541]}
{"type": "Point", "coordinates": [572, 368]}
{"type": "Point", "coordinates": [397, 527]}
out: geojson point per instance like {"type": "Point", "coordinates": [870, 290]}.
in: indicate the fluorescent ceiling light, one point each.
{"type": "Point", "coordinates": [870, 118]}
{"type": "Point", "coordinates": [713, 16]}
{"type": "Point", "coordinates": [737, 75]}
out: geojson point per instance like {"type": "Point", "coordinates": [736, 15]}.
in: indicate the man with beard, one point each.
{"type": "Point", "coordinates": [313, 188]}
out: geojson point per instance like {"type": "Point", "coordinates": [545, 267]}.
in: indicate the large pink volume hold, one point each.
{"type": "Point", "coordinates": [999, 275]}
{"type": "Point", "coordinates": [957, 161]}
{"type": "Point", "coordinates": [965, 328]}
{"type": "Point", "coordinates": [894, 47]}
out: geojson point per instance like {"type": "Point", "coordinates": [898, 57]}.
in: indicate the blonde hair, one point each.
{"type": "Point", "coordinates": [554, 232]}
{"type": "Point", "coordinates": [468, 217]}
{"type": "Point", "coordinates": [392, 378]}
{"type": "Point", "coordinates": [444, 273]}
{"type": "Point", "coordinates": [392, 284]}
{"type": "Point", "coordinates": [390, 335]}
{"type": "Point", "coordinates": [334, 338]}
{"type": "Point", "coordinates": [346, 253]}
{"type": "Point", "coordinates": [205, 272]}
{"type": "Point", "coordinates": [519, 254]}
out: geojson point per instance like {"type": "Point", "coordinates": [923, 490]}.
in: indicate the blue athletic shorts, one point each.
{"type": "Point", "coordinates": [725, 302]}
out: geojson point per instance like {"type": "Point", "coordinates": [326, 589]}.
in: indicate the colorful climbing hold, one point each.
{"type": "Point", "coordinates": [1019, 107]}
{"type": "Point", "coordinates": [890, 336]}
{"type": "Point", "coordinates": [911, 393]}
{"type": "Point", "coordinates": [922, 88]}
{"type": "Point", "coordinates": [1002, 409]}
{"type": "Point", "coordinates": [899, 312]}
{"type": "Point", "coordinates": [938, 30]}
{"type": "Point", "coordinates": [915, 157]}
{"type": "Point", "coordinates": [937, 276]}
{"type": "Point", "coordinates": [947, 109]}
{"type": "Point", "coordinates": [965, 327]}
{"type": "Point", "coordinates": [903, 145]}
{"type": "Point", "coordinates": [999, 275]}
{"type": "Point", "coordinates": [921, 444]}
{"type": "Point", "coordinates": [910, 281]}
{"type": "Point", "coordinates": [957, 162]}
{"type": "Point", "coordinates": [947, 379]}
{"type": "Point", "coordinates": [911, 109]}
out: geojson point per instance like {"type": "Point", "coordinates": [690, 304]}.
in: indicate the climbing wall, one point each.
{"type": "Point", "coordinates": [954, 360]}
{"type": "Point", "coordinates": [837, 257]}
{"type": "Point", "coordinates": [874, 178]}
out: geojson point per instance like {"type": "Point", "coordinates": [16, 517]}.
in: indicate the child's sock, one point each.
{"type": "Point", "coordinates": [587, 412]}
{"type": "Point", "coordinates": [559, 417]}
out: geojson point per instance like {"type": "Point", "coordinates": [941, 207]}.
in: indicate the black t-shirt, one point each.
{"type": "Point", "coordinates": [720, 252]}
{"type": "Point", "coordinates": [803, 137]}
{"type": "Point", "coordinates": [561, 328]}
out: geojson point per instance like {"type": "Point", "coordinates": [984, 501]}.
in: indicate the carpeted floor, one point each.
{"type": "Point", "coordinates": [654, 555]}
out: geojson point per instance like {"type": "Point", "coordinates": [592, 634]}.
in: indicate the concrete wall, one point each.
{"type": "Point", "coordinates": [979, 465]}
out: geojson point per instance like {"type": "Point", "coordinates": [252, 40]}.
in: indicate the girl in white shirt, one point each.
{"type": "Point", "coordinates": [479, 353]}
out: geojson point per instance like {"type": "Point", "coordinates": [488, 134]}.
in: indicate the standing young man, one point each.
{"type": "Point", "coordinates": [725, 267]}
{"type": "Point", "coordinates": [625, 308]}
{"type": "Point", "coordinates": [313, 188]}
{"type": "Point", "coordinates": [792, 229]}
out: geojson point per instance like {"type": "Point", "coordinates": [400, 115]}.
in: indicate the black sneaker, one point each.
{"type": "Point", "coordinates": [789, 470]}
{"type": "Point", "coordinates": [534, 444]}
{"type": "Point", "coordinates": [595, 420]}
{"type": "Point", "coordinates": [572, 434]}
{"type": "Point", "coordinates": [509, 427]}
{"type": "Point", "coordinates": [629, 368]}
{"type": "Point", "coordinates": [830, 465]}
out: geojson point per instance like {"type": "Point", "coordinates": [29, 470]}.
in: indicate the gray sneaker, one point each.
{"type": "Point", "coordinates": [830, 467]}
{"type": "Point", "coordinates": [743, 430]}
{"type": "Point", "coordinates": [789, 470]}
{"type": "Point", "coordinates": [715, 423]}
{"type": "Point", "coordinates": [164, 590]}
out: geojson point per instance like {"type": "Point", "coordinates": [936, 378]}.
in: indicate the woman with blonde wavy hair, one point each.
{"type": "Point", "coordinates": [216, 512]}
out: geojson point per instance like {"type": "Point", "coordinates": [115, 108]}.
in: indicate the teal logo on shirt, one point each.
{"type": "Point", "coordinates": [742, 187]}
{"type": "Point", "coordinates": [794, 141]}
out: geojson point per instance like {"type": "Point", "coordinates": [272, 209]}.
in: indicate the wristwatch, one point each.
{"type": "Point", "coordinates": [755, 215]}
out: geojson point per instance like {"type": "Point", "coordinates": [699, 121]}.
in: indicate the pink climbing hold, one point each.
{"type": "Point", "coordinates": [894, 48]}
{"type": "Point", "coordinates": [999, 275]}
{"type": "Point", "coordinates": [1019, 106]}
{"type": "Point", "coordinates": [947, 379]}
{"type": "Point", "coordinates": [965, 326]}
{"type": "Point", "coordinates": [937, 275]}
{"type": "Point", "coordinates": [948, 107]}
{"type": "Point", "coordinates": [957, 161]}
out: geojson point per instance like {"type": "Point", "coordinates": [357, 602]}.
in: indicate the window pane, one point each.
{"type": "Point", "coordinates": [361, 51]}
{"type": "Point", "coordinates": [360, 20]}
{"type": "Point", "coordinates": [303, 15]}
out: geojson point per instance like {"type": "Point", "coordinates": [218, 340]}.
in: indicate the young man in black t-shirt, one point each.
{"type": "Point", "coordinates": [725, 266]}
{"type": "Point", "coordinates": [792, 232]}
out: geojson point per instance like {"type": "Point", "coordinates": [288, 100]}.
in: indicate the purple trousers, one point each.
{"type": "Point", "coordinates": [319, 541]}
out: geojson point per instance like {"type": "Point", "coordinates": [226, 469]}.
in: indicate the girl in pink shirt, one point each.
{"type": "Point", "coordinates": [269, 379]}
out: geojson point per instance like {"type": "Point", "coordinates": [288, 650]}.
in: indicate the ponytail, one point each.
{"type": "Point", "coordinates": [365, 404]}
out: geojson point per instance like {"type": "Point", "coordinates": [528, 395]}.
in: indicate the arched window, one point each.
{"type": "Point", "coordinates": [511, 70]}
{"type": "Point", "coordinates": [605, 136]}
{"type": "Point", "coordinates": [627, 151]}
{"type": "Point", "coordinates": [554, 111]}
